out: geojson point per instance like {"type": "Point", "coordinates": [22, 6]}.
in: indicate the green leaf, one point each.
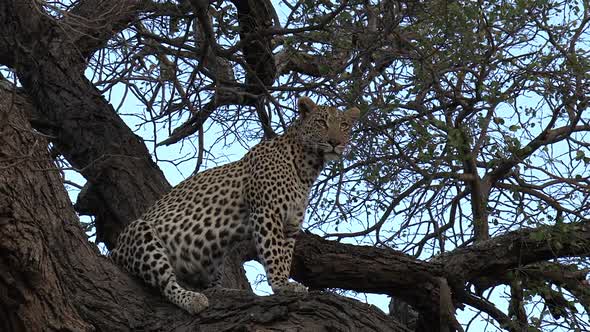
{"type": "Point", "coordinates": [537, 236]}
{"type": "Point", "coordinates": [499, 120]}
{"type": "Point", "coordinates": [557, 245]}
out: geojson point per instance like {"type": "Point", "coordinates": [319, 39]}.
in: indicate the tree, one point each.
{"type": "Point", "coordinates": [468, 172]}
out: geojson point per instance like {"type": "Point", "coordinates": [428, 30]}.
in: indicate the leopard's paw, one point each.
{"type": "Point", "coordinates": [290, 287]}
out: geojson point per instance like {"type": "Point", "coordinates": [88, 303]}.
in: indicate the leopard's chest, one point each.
{"type": "Point", "coordinates": [291, 202]}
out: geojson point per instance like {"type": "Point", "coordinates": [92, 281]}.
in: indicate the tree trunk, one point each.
{"type": "Point", "coordinates": [38, 230]}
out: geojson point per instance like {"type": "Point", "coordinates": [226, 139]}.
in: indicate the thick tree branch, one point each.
{"type": "Point", "coordinates": [539, 277]}
{"type": "Point", "coordinates": [93, 23]}
{"type": "Point", "coordinates": [255, 16]}
{"type": "Point", "coordinates": [328, 264]}
{"type": "Point", "coordinates": [516, 249]}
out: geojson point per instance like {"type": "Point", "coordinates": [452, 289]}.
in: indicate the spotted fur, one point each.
{"type": "Point", "coordinates": [262, 196]}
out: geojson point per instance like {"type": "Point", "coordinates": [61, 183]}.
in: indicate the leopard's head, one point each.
{"type": "Point", "coordinates": [324, 129]}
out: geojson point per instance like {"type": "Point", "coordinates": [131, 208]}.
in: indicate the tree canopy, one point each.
{"type": "Point", "coordinates": [467, 181]}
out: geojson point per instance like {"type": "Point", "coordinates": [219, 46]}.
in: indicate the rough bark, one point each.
{"type": "Point", "coordinates": [327, 264]}
{"type": "Point", "coordinates": [518, 248]}
{"type": "Point", "coordinates": [31, 285]}
{"type": "Point", "coordinates": [255, 16]}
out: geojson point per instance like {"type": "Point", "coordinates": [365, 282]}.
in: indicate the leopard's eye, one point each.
{"type": "Point", "coordinates": [344, 126]}
{"type": "Point", "coordinates": [322, 123]}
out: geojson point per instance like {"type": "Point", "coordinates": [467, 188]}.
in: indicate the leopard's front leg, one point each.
{"type": "Point", "coordinates": [275, 251]}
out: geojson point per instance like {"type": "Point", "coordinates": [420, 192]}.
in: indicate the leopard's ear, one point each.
{"type": "Point", "coordinates": [353, 113]}
{"type": "Point", "coordinates": [305, 106]}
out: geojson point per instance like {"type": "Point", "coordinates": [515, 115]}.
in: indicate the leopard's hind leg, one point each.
{"type": "Point", "coordinates": [139, 250]}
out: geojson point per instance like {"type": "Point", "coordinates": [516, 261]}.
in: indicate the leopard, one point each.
{"type": "Point", "coordinates": [261, 198]}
